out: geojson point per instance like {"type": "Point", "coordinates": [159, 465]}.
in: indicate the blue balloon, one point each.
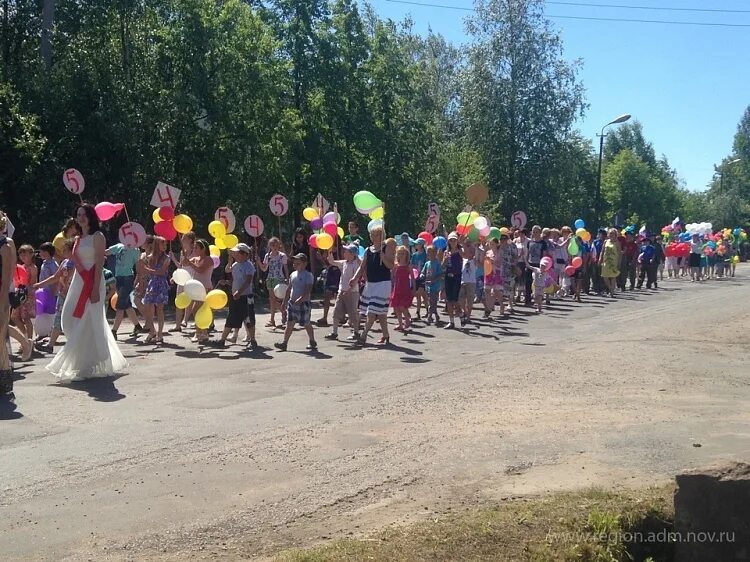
{"type": "Point", "coordinates": [361, 251]}
{"type": "Point", "coordinates": [579, 224]}
{"type": "Point", "coordinates": [737, 231]}
{"type": "Point", "coordinates": [440, 243]}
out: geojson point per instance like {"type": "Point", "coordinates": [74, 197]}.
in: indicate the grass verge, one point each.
{"type": "Point", "coordinates": [586, 526]}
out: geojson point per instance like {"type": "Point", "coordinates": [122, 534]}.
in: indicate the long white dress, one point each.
{"type": "Point", "coordinates": [90, 349]}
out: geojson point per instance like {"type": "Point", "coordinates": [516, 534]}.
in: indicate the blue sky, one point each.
{"type": "Point", "coordinates": [688, 85]}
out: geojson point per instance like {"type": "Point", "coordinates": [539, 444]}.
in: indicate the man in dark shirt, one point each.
{"type": "Point", "coordinates": [596, 268]}
{"type": "Point", "coordinates": [647, 260]}
{"type": "Point", "coordinates": [629, 261]}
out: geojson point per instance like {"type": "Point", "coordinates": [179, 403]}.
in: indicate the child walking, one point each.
{"type": "Point", "coordinates": [61, 281]}
{"type": "Point", "coordinates": [347, 302]}
{"type": "Point", "coordinates": [242, 303]}
{"type": "Point", "coordinates": [330, 287]}
{"type": "Point", "coordinates": [433, 275]}
{"type": "Point", "coordinates": [24, 315]}
{"type": "Point", "coordinates": [157, 290]}
{"type": "Point", "coordinates": [297, 300]}
{"type": "Point", "coordinates": [418, 259]}
{"type": "Point", "coordinates": [275, 264]}
{"type": "Point", "coordinates": [402, 293]}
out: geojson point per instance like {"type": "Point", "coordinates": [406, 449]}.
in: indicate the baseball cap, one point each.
{"type": "Point", "coordinates": [241, 247]}
{"type": "Point", "coordinates": [351, 248]}
{"type": "Point", "coordinates": [453, 236]}
{"type": "Point", "coordinates": [300, 256]}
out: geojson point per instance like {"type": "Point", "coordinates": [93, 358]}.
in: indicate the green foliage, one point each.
{"type": "Point", "coordinates": [234, 101]}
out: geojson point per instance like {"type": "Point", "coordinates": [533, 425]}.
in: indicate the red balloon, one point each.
{"type": "Point", "coordinates": [577, 262]}
{"type": "Point", "coordinates": [21, 276]}
{"type": "Point", "coordinates": [462, 229]}
{"type": "Point", "coordinates": [331, 229]}
{"type": "Point", "coordinates": [166, 214]}
{"type": "Point", "coordinates": [313, 241]}
{"type": "Point", "coordinates": [165, 229]}
{"type": "Point", "coordinates": [570, 271]}
{"type": "Point", "coordinates": [426, 236]}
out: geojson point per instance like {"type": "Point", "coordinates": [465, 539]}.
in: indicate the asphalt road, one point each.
{"type": "Point", "coordinates": [205, 454]}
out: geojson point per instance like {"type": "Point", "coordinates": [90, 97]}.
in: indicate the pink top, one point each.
{"type": "Point", "coordinates": [401, 294]}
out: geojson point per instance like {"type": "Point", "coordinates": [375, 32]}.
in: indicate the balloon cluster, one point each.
{"type": "Point", "coordinates": [193, 290]}
{"type": "Point", "coordinates": [700, 228]}
{"type": "Point", "coordinates": [677, 250]}
{"type": "Point", "coordinates": [222, 239]}
{"type": "Point", "coordinates": [168, 225]}
{"type": "Point", "coordinates": [325, 228]}
{"type": "Point", "coordinates": [367, 204]}
{"type": "Point", "coordinates": [581, 231]}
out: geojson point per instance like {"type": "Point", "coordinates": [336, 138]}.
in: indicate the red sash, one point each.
{"type": "Point", "coordinates": [87, 276]}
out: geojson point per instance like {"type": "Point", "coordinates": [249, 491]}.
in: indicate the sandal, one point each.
{"type": "Point", "coordinates": [150, 339]}
{"type": "Point", "coordinates": [384, 341]}
{"type": "Point", "coordinates": [270, 324]}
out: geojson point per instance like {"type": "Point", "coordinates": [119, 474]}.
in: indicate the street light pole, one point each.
{"type": "Point", "coordinates": [597, 199]}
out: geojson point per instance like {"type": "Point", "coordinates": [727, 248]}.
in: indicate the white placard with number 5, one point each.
{"type": "Point", "coordinates": [518, 219]}
{"type": "Point", "coordinates": [73, 180]}
{"type": "Point", "coordinates": [278, 205]}
{"type": "Point", "coordinates": [254, 226]}
{"type": "Point", "coordinates": [132, 235]}
{"type": "Point", "coordinates": [225, 215]}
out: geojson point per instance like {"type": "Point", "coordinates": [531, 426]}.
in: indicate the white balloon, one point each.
{"type": "Point", "coordinates": [181, 276]}
{"type": "Point", "coordinates": [43, 324]}
{"type": "Point", "coordinates": [195, 290]}
{"type": "Point", "coordinates": [280, 290]}
{"type": "Point", "coordinates": [481, 223]}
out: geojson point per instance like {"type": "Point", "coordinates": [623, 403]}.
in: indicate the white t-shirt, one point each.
{"type": "Point", "coordinates": [696, 247]}
{"type": "Point", "coordinates": [469, 272]}
{"type": "Point", "coordinates": [348, 269]}
{"type": "Point", "coordinates": [523, 249]}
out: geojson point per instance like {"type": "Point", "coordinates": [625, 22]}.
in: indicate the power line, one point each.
{"type": "Point", "coordinates": [585, 18]}
{"type": "Point", "coordinates": [655, 8]}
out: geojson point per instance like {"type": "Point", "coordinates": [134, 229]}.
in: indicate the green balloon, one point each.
{"type": "Point", "coordinates": [462, 218]}
{"type": "Point", "coordinates": [494, 233]}
{"type": "Point", "coordinates": [573, 247]}
{"type": "Point", "coordinates": [474, 235]}
{"type": "Point", "coordinates": [366, 200]}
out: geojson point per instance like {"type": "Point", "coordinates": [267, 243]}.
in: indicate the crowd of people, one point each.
{"type": "Point", "coordinates": [443, 282]}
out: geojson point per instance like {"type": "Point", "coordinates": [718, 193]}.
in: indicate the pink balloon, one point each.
{"type": "Point", "coordinates": [166, 213]}
{"type": "Point", "coordinates": [165, 230]}
{"type": "Point", "coordinates": [216, 261]}
{"type": "Point", "coordinates": [329, 218]}
{"type": "Point", "coordinates": [313, 241]}
{"type": "Point", "coordinates": [106, 210]}
{"type": "Point", "coordinates": [577, 262]}
{"type": "Point", "coordinates": [570, 271]}
{"type": "Point", "coordinates": [331, 228]}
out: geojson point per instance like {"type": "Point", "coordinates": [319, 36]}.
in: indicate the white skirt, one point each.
{"type": "Point", "coordinates": [90, 349]}
{"type": "Point", "coordinates": [375, 298]}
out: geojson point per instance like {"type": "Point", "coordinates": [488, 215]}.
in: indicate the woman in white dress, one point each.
{"type": "Point", "coordinates": [90, 349]}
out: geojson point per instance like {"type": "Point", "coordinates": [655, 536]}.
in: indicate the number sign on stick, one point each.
{"type": "Point", "coordinates": [254, 226]}
{"type": "Point", "coordinates": [132, 235]}
{"type": "Point", "coordinates": [165, 196]}
{"type": "Point", "coordinates": [433, 218]}
{"type": "Point", "coordinates": [278, 205]}
{"type": "Point", "coordinates": [73, 180]}
{"type": "Point", "coordinates": [321, 204]}
{"type": "Point", "coordinates": [226, 217]}
{"type": "Point", "coordinates": [518, 219]}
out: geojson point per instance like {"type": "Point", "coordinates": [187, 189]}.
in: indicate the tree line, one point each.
{"type": "Point", "coordinates": [233, 101]}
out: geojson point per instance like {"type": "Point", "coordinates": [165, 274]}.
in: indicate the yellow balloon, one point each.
{"type": "Point", "coordinates": [310, 214]}
{"type": "Point", "coordinates": [59, 242]}
{"type": "Point", "coordinates": [155, 216]}
{"type": "Point", "coordinates": [182, 224]}
{"type": "Point", "coordinates": [586, 236]}
{"type": "Point", "coordinates": [220, 244]}
{"type": "Point", "coordinates": [230, 240]}
{"type": "Point", "coordinates": [182, 301]}
{"type": "Point", "coordinates": [216, 299]}
{"type": "Point", "coordinates": [217, 229]}
{"type": "Point", "coordinates": [340, 232]}
{"type": "Point", "coordinates": [203, 317]}
{"type": "Point", "coordinates": [214, 251]}
{"type": "Point", "coordinates": [378, 213]}
{"type": "Point", "coordinates": [472, 217]}
{"type": "Point", "coordinates": [325, 241]}
{"type": "Point", "coordinates": [504, 230]}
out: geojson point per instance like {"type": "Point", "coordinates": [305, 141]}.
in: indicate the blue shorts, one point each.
{"type": "Point", "coordinates": [298, 313]}
{"type": "Point", "coordinates": [57, 322]}
{"type": "Point", "coordinates": [124, 287]}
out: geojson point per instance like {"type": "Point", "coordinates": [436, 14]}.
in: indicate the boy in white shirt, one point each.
{"type": "Point", "coordinates": [347, 303]}
{"type": "Point", "coordinates": [468, 282]}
